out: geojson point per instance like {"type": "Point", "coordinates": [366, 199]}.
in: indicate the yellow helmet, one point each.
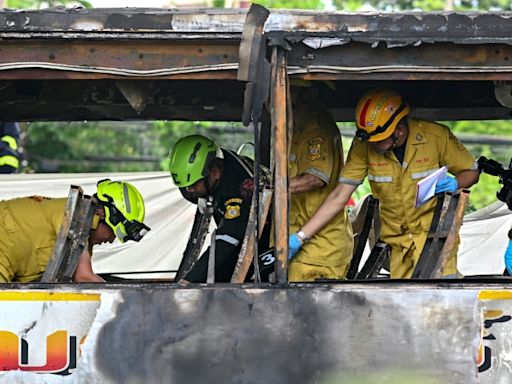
{"type": "Point", "coordinates": [124, 209]}
{"type": "Point", "coordinates": [378, 113]}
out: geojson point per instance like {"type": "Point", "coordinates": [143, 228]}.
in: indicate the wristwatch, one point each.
{"type": "Point", "coordinates": [302, 236]}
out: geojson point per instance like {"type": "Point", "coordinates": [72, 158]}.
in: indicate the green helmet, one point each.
{"type": "Point", "coordinates": [190, 159]}
{"type": "Point", "coordinates": [124, 209]}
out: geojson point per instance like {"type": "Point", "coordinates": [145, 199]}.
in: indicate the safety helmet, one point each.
{"type": "Point", "coordinates": [190, 159]}
{"type": "Point", "coordinates": [124, 209]}
{"type": "Point", "coordinates": [378, 113]}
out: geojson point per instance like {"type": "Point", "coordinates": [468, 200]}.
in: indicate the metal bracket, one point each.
{"type": "Point", "coordinates": [442, 234]}
{"type": "Point", "coordinates": [378, 257]}
{"type": "Point", "coordinates": [369, 208]}
{"type": "Point", "coordinates": [72, 238]}
{"type": "Point", "coordinates": [195, 240]}
{"type": "Point", "coordinates": [247, 252]}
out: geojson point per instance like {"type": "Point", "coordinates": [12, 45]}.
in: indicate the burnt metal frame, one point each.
{"type": "Point", "coordinates": [371, 209]}
{"type": "Point", "coordinates": [156, 46]}
{"type": "Point", "coordinates": [247, 251]}
{"type": "Point", "coordinates": [379, 257]}
{"type": "Point", "coordinates": [442, 234]}
{"type": "Point", "coordinates": [72, 237]}
{"type": "Point", "coordinates": [196, 239]}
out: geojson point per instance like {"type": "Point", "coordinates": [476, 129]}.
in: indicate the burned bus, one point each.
{"type": "Point", "coordinates": [236, 65]}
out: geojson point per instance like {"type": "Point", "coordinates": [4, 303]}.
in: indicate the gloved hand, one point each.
{"type": "Point", "coordinates": [508, 257]}
{"type": "Point", "coordinates": [447, 184]}
{"type": "Point", "coordinates": [294, 245]}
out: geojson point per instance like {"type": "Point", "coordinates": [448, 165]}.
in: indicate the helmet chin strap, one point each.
{"type": "Point", "coordinates": [209, 187]}
{"type": "Point", "coordinates": [393, 144]}
{"type": "Point", "coordinates": [209, 190]}
{"type": "Point", "coordinates": [395, 140]}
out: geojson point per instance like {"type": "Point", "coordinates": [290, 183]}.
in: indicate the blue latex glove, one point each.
{"type": "Point", "coordinates": [447, 184]}
{"type": "Point", "coordinates": [294, 245]}
{"type": "Point", "coordinates": [508, 257]}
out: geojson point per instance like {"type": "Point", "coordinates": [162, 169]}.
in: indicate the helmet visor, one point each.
{"type": "Point", "coordinates": [135, 230]}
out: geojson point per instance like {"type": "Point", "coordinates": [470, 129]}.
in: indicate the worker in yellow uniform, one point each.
{"type": "Point", "coordinates": [395, 151]}
{"type": "Point", "coordinates": [29, 227]}
{"type": "Point", "coordinates": [9, 140]}
{"type": "Point", "coordinates": [315, 162]}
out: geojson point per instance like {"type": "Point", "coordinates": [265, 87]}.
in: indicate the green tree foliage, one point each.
{"type": "Point", "coordinates": [39, 4]}
{"type": "Point", "coordinates": [225, 134]}
{"type": "Point", "coordinates": [292, 4]}
{"type": "Point", "coordinates": [423, 5]}
{"type": "Point", "coordinates": [92, 147]}
{"type": "Point", "coordinates": [116, 146]}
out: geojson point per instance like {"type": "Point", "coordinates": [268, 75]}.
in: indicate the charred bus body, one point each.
{"type": "Point", "coordinates": [169, 64]}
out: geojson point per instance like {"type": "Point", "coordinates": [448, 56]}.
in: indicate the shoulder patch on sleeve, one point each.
{"type": "Point", "coordinates": [456, 141]}
{"type": "Point", "coordinates": [314, 150]}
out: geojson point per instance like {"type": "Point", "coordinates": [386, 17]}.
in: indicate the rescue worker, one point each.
{"type": "Point", "coordinates": [315, 162]}
{"type": "Point", "coordinates": [508, 253]}
{"type": "Point", "coordinates": [202, 170]}
{"type": "Point", "coordinates": [395, 152]}
{"type": "Point", "coordinates": [9, 140]}
{"type": "Point", "coordinates": [29, 227]}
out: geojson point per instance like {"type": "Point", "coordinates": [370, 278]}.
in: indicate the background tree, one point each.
{"type": "Point", "coordinates": [38, 4]}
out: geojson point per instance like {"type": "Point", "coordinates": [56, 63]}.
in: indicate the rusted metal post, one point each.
{"type": "Point", "coordinates": [452, 236]}
{"type": "Point", "coordinates": [210, 278]}
{"type": "Point", "coordinates": [278, 101]}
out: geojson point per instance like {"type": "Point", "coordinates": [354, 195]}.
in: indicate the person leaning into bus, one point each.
{"type": "Point", "coordinates": [9, 139]}
{"type": "Point", "coordinates": [29, 227]}
{"type": "Point", "coordinates": [202, 170]}
{"type": "Point", "coordinates": [316, 159]}
{"type": "Point", "coordinates": [395, 152]}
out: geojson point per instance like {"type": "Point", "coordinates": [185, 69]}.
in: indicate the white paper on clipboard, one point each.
{"type": "Point", "coordinates": [426, 188]}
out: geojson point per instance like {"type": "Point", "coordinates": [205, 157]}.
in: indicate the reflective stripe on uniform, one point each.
{"type": "Point", "coordinates": [228, 239]}
{"type": "Point", "coordinates": [421, 175]}
{"type": "Point", "coordinates": [318, 173]}
{"type": "Point", "coordinates": [344, 180]}
{"type": "Point", "coordinates": [11, 141]}
{"type": "Point", "coordinates": [380, 179]}
{"type": "Point", "coordinates": [10, 161]}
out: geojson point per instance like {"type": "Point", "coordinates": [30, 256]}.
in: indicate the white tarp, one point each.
{"type": "Point", "coordinates": [484, 240]}
{"type": "Point", "coordinates": [483, 234]}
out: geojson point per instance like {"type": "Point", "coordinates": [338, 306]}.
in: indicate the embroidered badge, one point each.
{"type": "Point", "coordinates": [232, 212]}
{"type": "Point", "coordinates": [419, 137]}
{"type": "Point", "coordinates": [314, 151]}
{"type": "Point", "coordinates": [452, 137]}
